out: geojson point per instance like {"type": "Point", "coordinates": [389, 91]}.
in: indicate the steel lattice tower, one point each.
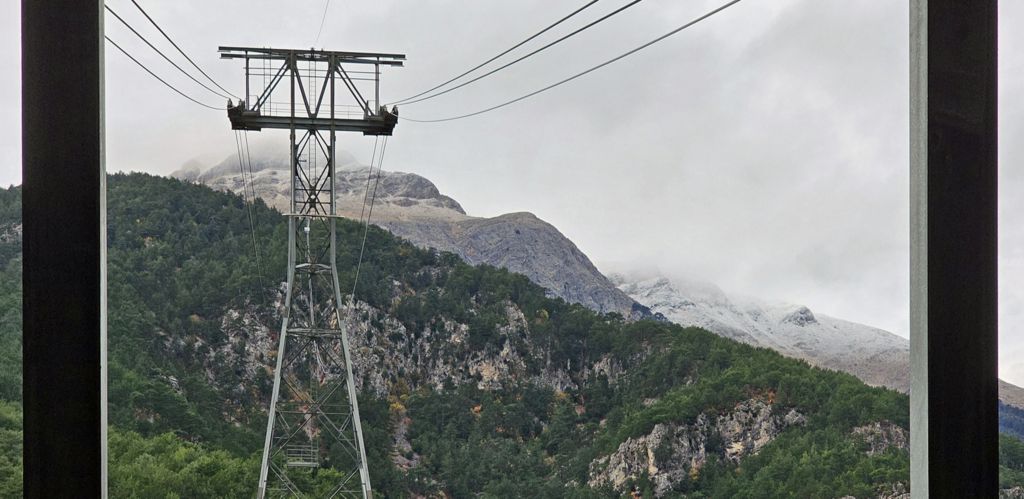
{"type": "Point", "coordinates": [313, 425]}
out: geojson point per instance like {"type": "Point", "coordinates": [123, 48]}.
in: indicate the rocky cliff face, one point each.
{"type": "Point", "coordinates": [1014, 493]}
{"type": "Point", "coordinates": [388, 358]}
{"type": "Point", "coordinates": [881, 436]}
{"type": "Point", "coordinates": [672, 453]}
{"type": "Point", "coordinates": [385, 353]}
{"type": "Point", "coordinates": [525, 244]}
{"type": "Point", "coordinates": [412, 207]}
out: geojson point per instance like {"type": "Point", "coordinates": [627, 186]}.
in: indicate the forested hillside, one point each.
{"type": "Point", "coordinates": [474, 383]}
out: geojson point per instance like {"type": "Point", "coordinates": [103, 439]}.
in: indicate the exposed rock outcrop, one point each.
{"type": "Point", "coordinates": [525, 244]}
{"type": "Point", "coordinates": [895, 491]}
{"type": "Point", "coordinates": [385, 354]}
{"type": "Point", "coordinates": [1014, 493]}
{"type": "Point", "coordinates": [882, 436]}
{"type": "Point", "coordinates": [11, 233]}
{"type": "Point", "coordinates": [674, 452]}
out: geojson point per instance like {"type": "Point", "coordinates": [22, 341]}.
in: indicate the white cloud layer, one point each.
{"type": "Point", "coordinates": [765, 149]}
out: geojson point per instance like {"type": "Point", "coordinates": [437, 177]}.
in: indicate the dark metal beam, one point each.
{"type": "Point", "coordinates": [954, 419]}
{"type": "Point", "coordinates": [311, 55]}
{"type": "Point", "coordinates": [63, 206]}
{"type": "Point", "coordinates": [368, 126]}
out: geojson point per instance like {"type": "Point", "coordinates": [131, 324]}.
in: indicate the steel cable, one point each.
{"type": "Point", "coordinates": [492, 59]}
{"type": "Point", "coordinates": [545, 47]}
{"type": "Point", "coordinates": [182, 52]}
{"type": "Point", "coordinates": [143, 66]}
{"type": "Point", "coordinates": [577, 75]}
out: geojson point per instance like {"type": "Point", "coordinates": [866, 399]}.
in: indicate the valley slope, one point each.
{"type": "Point", "coordinates": [472, 381]}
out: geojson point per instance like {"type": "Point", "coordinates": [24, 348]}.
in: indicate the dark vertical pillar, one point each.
{"type": "Point", "coordinates": [63, 206]}
{"type": "Point", "coordinates": [954, 419]}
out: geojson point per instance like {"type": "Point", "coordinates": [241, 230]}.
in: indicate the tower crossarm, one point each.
{"type": "Point", "coordinates": [311, 98]}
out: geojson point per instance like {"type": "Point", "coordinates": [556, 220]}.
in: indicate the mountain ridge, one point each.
{"type": "Point", "coordinates": [473, 382]}
{"type": "Point", "coordinates": [877, 357]}
{"type": "Point", "coordinates": [483, 385]}
{"type": "Point", "coordinates": [412, 207]}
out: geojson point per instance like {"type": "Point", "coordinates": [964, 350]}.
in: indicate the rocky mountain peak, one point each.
{"type": "Point", "coordinates": [406, 190]}
{"type": "Point", "coordinates": [875, 356]}
{"type": "Point", "coordinates": [802, 316]}
{"type": "Point", "coordinates": [413, 207]}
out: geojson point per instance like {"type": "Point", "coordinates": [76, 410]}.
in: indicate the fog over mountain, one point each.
{"type": "Point", "coordinates": [412, 207]}
{"type": "Point", "coordinates": [877, 357]}
{"type": "Point", "coordinates": [770, 143]}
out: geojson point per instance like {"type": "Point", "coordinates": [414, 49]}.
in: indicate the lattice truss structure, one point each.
{"type": "Point", "coordinates": [314, 442]}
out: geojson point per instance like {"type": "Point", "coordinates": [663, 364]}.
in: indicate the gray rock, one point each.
{"type": "Point", "coordinates": [1014, 493]}
{"type": "Point", "coordinates": [413, 208]}
{"type": "Point", "coordinates": [673, 452]}
{"type": "Point", "coordinates": [897, 490]}
{"type": "Point", "coordinates": [882, 436]}
{"type": "Point", "coordinates": [525, 244]}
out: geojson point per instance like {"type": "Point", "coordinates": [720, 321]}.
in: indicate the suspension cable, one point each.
{"type": "Point", "coordinates": [577, 75]}
{"type": "Point", "coordinates": [366, 225]}
{"type": "Point", "coordinates": [168, 59]}
{"type": "Point", "coordinates": [249, 209]}
{"type": "Point", "coordinates": [322, 19]}
{"type": "Point", "coordinates": [143, 66]}
{"type": "Point", "coordinates": [499, 68]}
{"type": "Point", "coordinates": [492, 59]}
{"type": "Point", "coordinates": [369, 176]}
{"type": "Point", "coordinates": [252, 207]}
{"type": "Point", "coordinates": [182, 52]}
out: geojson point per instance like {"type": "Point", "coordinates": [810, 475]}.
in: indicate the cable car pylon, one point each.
{"type": "Point", "coordinates": [313, 421]}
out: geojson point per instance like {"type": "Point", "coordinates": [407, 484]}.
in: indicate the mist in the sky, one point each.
{"type": "Point", "coordinates": [765, 149]}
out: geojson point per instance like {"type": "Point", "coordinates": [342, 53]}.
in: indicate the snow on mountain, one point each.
{"type": "Point", "coordinates": [412, 207]}
{"type": "Point", "coordinates": [875, 356]}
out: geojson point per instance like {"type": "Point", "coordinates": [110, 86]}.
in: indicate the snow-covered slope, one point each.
{"type": "Point", "coordinates": [400, 197]}
{"type": "Point", "coordinates": [878, 357]}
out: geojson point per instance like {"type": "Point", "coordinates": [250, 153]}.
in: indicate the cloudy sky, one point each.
{"type": "Point", "coordinates": [765, 149]}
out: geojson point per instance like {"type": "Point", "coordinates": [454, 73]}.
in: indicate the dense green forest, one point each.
{"type": "Point", "coordinates": [184, 425]}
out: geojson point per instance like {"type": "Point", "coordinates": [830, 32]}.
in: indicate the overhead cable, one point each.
{"type": "Point", "coordinates": [123, 51]}
{"type": "Point", "coordinates": [369, 177]}
{"type": "Point", "coordinates": [366, 226]}
{"type": "Point", "coordinates": [182, 52]}
{"type": "Point", "coordinates": [252, 207]}
{"type": "Point", "coordinates": [499, 68]}
{"type": "Point", "coordinates": [322, 19]}
{"type": "Point", "coordinates": [488, 61]}
{"type": "Point", "coordinates": [577, 75]}
{"type": "Point", "coordinates": [168, 59]}
{"type": "Point", "coordinates": [242, 159]}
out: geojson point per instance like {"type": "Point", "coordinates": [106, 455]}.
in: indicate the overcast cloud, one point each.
{"type": "Point", "coordinates": [765, 149]}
